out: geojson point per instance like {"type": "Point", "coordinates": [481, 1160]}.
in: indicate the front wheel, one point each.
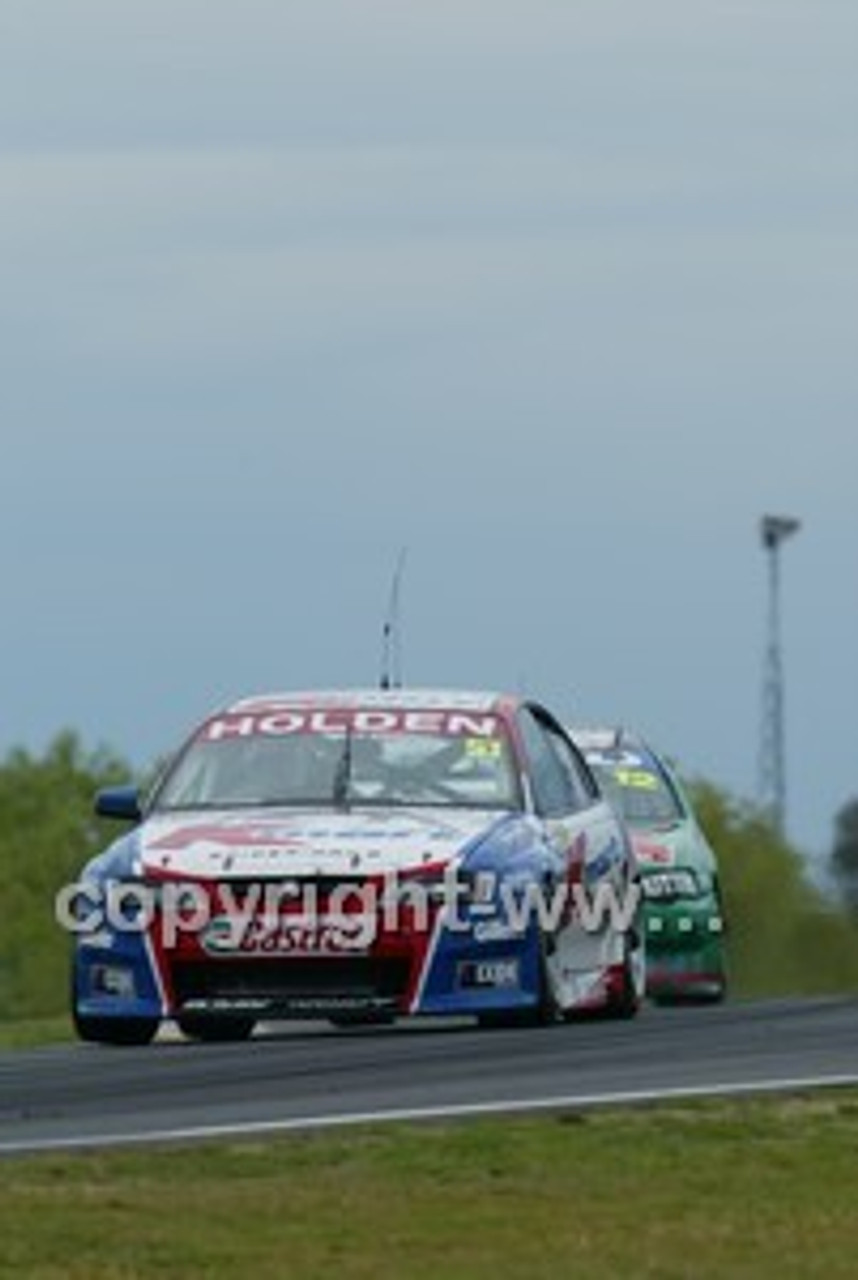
{"type": "Point", "coordinates": [121, 1031]}
{"type": "Point", "coordinates": [215, 1030]}
{"type": "Point", "coordinates": [711, 993]}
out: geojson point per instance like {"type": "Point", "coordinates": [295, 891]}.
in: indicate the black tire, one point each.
{"type": "Point", "coordinates": [215, 1030]}
{"type": "Point", "coordinates": [119, 1031]}
{"type": "Point", "coordinates": [547, 1011]}
{"type": "Point", "coordinates": [498, 1019]}
{"type": "Point", "coordinates": [694, 998]}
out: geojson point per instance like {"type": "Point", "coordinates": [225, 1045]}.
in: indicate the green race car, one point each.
{"type": "Point", "coordinates": [682, 909]}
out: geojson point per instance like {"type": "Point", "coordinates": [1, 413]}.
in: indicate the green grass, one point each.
{"type": "Point", "coordinates": [27, 1033]}
{"type": "Point", "coordinates": [750, 1188]}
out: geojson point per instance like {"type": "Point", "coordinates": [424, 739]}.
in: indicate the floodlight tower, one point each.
{"type": "Point", "coordinates": [772, 784]}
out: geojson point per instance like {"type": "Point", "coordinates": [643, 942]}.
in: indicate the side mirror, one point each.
{"type": "Point", "coordinates": [118, 802]}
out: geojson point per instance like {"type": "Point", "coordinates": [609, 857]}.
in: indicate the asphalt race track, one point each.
{"type": "Point", "coordinates": [304, 1075]}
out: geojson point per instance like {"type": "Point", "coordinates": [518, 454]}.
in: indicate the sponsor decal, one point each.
{"type": "Point", "coordinates": [283, 722]}
{"type": "Point", "coordinates": [657, 855]}
{"type": "Point", "coordinates": [494, 931]}
{"type": "Point", "coordinates": [665, 885]}
{"type": "Point", "coordinates": [265, 839]}
{"type": "Point", "coordinates": [497, 973]}
{"type": "Point", "coordinates": [227, 1004]}
{"type": "Point", "coordinates": [225, 935]}
{"type": "Point", "coordinates": [637, 779]}
{"type": "Point", "coordinates": [483, 748]}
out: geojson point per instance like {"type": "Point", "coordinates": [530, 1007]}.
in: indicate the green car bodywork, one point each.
{"type": "Point", "coordinates": [682, 908]}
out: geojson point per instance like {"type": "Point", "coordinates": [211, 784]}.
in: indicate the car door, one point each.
{"type": "Point", "coordinates": [591, 848]}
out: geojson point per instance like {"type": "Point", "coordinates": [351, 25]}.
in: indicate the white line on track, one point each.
{"type": "Point", "coordinates": [571, 1102]}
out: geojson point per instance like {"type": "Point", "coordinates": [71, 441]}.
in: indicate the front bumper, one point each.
{"type": "Point", "coordinates": [685, 954]}
{"type": "Point", "coordinates": [442, 972]}
{"type": "Point", "coordinates": [114, 976]}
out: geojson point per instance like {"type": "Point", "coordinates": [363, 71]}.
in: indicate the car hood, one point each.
{"type": "Point", "coordinates": [273, 843]}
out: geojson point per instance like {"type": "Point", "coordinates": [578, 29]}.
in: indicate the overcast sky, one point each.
{"type": "Point", "coordinates": [561, 297]}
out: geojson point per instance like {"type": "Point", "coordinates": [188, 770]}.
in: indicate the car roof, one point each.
{"type": "Point", "coordinates": [411, 699]}
{"type": "Point", "coordinates": [600, 740]}
{"type": "Point", "coordinates": [604, 738]}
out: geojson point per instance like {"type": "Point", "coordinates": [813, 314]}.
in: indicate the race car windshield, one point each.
{"type": "Point", "coordinates": [642, 796]}
{"type": "Point", "coordinates": [389, 769]}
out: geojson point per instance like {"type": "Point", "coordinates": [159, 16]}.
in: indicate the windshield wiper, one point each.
{"type": "Point", "coordinates": [343, 774]}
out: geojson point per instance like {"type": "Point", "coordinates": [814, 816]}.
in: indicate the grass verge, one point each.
{"type": "Point", "coordinates": [741, 1188]}
{"type": "Point", "coordinates": [29, 1033]}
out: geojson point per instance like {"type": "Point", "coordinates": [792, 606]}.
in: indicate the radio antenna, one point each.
{"type": "Point", "coordinates": [391, 651]}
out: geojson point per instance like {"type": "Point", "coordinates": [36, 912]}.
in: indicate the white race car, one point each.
{"type": "Point", "coordinates": [359, 856]}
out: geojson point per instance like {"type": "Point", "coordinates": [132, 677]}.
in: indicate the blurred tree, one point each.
{"type": "Point", "coordinates": [844, 854]}
{"type": "Point", "coordinates": [784, 937]}
{"type": "Point", "coordinates": [48, 830]}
